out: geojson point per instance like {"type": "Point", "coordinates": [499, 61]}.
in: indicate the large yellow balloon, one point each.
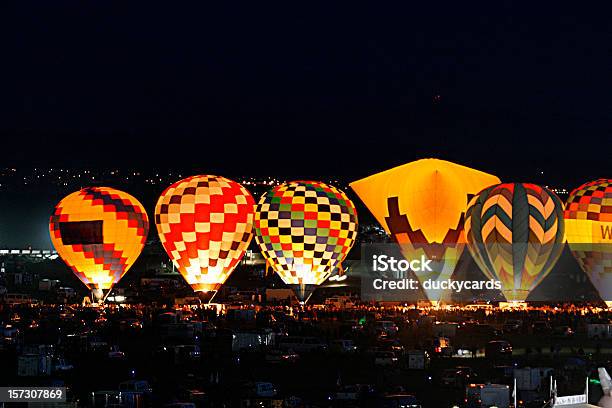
{"type": "Point", "coordinates": [99, 232]}
{"type": "Point", "coordinates": [422, 206]}
{"type": "Point", "coordinates": [588, 229]}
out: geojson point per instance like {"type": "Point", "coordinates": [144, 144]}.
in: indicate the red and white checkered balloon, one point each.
{"type": "Point", "coordinates": [205, 224]}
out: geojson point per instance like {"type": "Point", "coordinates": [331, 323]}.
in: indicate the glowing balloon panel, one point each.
{"type": "Point", "coordinates": [515, 232]}
{"type": "Point", "coordinates": [304, 230]}
{"type": "Point", "coordinates": [99, 232]}
{"type": "Point", "coordinates": [424, 200]}
{"type": "Point", "coordinates": [205, 224]}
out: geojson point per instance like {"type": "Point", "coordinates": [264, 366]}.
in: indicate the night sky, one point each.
{"type": "Point", "coordinates": [308, 89]}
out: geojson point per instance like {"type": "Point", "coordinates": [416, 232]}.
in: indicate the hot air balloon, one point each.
{"type": "Point", "coordinates": [515, 233]}
{"type": "Point", "coordinates": [99, 232]}
{"type": "Point", "coordinates": [305, 229]}
{"type": "Point", "coordinates": [422, 206]}
{"type": "Point", "coordinates": [205, 224]}
{"type": "Point", "coordinates": [588, 229]}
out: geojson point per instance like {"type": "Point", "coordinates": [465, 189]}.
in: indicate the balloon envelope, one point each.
{"type": "Point", "coordinates": [305, 229]}
{"type": "Point", "coordinates": [99, 232]}
{"type": "Point", "coordinates": [588, 229]}
{"type": "Point", "coordinates": [422, 206]}
{"type": "Point", "coordinates": [515, 233]}
{"type": "Point", "coordinates": [205, 224]}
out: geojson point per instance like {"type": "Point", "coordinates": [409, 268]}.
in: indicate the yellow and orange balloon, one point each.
{"type": "Point", "coordinates": [99, 232]}
{"type": "Point", "coordinates": [422, 205]}
{"type": "Point", "coordinates": [205, 224]}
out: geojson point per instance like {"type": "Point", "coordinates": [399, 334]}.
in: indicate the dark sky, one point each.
{"type": "Point", "coordinates": [308, 88]}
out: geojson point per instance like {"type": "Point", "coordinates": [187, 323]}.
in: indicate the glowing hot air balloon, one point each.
{"type": "Point", "coordinates": [305, 229]}
{"type": "Point", "coordinates": [99, 232]}
{"type": "Point", "coordinates": [422, 206]}
{"type": "Point", "coordinates": [588, 229]}
{"type": "Point", "coordinates": [515, 233]}
{"type": "Point", "coordinates": [205, 225]}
